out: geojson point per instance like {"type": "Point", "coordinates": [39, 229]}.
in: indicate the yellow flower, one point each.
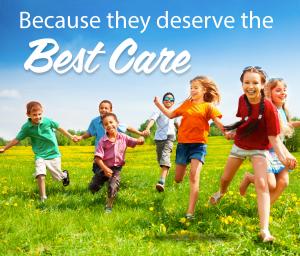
{"type": "Point", "coordinates": [6, 204]}
{"type": "Point", "coordinates": [253, 195]}
{"type": "Point", "coordinates": [270, 219]}
{"type": "Point", "coordinates": [15, 204]}
{"type": "Point", "coordinates": [162, 228]}
{"type": "Point", "coordinates": [183, 232]}
{"type": "Point", "coordinates": [151, 209]}
{"type": "Point", "coordinates": [230, 193]}
{"type": "Point", "coordinates": [182, 220]}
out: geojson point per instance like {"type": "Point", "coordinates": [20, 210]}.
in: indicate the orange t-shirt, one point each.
{"type": "Point", "coordinates": [194, 126]}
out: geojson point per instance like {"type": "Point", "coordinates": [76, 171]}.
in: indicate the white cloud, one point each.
{"type": "Point", "coordinates": [10, 94]}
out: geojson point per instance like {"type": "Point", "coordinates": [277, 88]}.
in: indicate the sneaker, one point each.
{"type": "Point", "coordinates": [190, 216]}
{"type": "Point", "coordinates": [43, 199]}
{"type": "Point", "coordinates": [215, 198]}
{"type": "Point", "coordinates": [108, 209]}
{"type": "Point", "coordinates": [66, 180]}
{"type": "Point", "coordinates": [266, 236]}
{"type": "Point", "coordinates": [160, 187]}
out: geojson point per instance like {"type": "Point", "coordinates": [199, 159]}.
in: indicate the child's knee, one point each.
{"type": "Point", "coordinates": [283, 182]}
{"type": "Point", "coordinates": [41, 177]}
{"type": "Point", "coordinates": [261, 184]}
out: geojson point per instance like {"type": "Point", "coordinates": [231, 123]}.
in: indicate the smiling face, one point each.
{"type": "Point", "coordinates": [168, 101]}
{"type": "Point", "coordinates": [110, 125]}
{"type": "Point", "coordinates": [197, 91]}
{"type": "Point", "coordinates": [36, 115]}
{"type": "Point", "coordinates": [104, 108]}
{"type": "Point", "coordinates": [252, 87]}
{"type": "Point", "coordinates": [279, 94]}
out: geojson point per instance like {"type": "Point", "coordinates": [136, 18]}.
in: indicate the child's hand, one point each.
{"type": "Point", "coordinates": [140, 141]}
{"type": "Point", "coordinates": [156, 101]}
{"type": "Point", "coordinates": [229, 135]}
{"type": "Point", "coordinates": [146, 133]}
{"type": "Point", "coordinates": [108, 172]}
{"type": "Point", "coordinates": [2, 150]}
{"type": "Point", "coordinates": [291, 162]}
{"type": "Point", "coordinates": [76, 138]}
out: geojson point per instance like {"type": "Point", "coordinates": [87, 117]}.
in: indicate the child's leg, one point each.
{"type": "Point", "coordinates": [180, 172]}
{"type": "Point", "coordinates": [282, 181]}
{"type": "Point", "coordinates": [194, 184]}
{"type": "Point", "coordinates": [262, 191]}
{"type": "Point", "coordinates": [42, 186]}
{"type": "Point", "coordinates": [247, 180]}
{"type": "Point", "coordinates": [232, 165]}
{"type": "Point", "coordinates": [98, 179]}
{"type": "Point", "coordinates": [113, 188]}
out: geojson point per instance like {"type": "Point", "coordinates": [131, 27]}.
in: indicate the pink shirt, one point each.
{"type": "Point", "coordinates": [113, 153]}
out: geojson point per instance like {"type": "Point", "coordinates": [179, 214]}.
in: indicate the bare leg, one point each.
{"type": "Point", "coordinates": [262, 191]}
{"type": "Point", "coordinates": [164, 172]}
{"type": "Point", "coordinates": [232, 165]}
{"type": "Point", "coordinates": [42, 186]}
{"type": "Point", "coordinates": [196, 166]}
{"type": "Point", "coordinates": [180, 172]}
{"type": "Point", "coordinates": [247, 180]}
{"type": "Point", "coordinates": [282, 181]}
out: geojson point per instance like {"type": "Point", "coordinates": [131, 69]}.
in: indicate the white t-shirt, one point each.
{"type": "Point", "coordinates": [165, 126]}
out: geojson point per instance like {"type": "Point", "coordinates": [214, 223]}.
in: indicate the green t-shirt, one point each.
{"type": "Point", "coordinates": [43, 140]}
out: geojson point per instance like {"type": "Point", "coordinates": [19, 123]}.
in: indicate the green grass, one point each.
{"type": "Point", "coordinates": [143, 222]}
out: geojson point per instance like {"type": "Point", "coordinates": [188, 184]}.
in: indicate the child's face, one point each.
{"type": "Point", "coordinates": [168, 101]}
{"type": "Point", "coordinates": [252, 86]}
{"type": "Point", "coordinates": [278, 95]}
{"type": "Point", "coordinates": [36, 115]}
{"type": "Point", "coordinates": [104, 108]}
{"type": "Point", "coordinates": [197, 91]}
{"type": "Point", "coordinates": [110, 125]}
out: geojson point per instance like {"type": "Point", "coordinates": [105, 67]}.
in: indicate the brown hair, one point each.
{"type": "Point", "coordinates": [258, 70]}
{"type": "Point", "coordinates": [106, 101]}
{"type": "Point", "coordinates": [211, 90]}
{"type": "Point", "coordinates": [33, 105]}
{"type": "Point", "coordinates": [110, 114]}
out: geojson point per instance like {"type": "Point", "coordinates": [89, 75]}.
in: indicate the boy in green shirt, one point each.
{"type": "Point", "coordinates": [44, 146]}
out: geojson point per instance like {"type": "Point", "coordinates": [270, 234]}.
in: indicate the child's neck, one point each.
{"type": "Point", "coordinates": [254, 101]}
{"type": "Point", "coordinates": [112, 136]}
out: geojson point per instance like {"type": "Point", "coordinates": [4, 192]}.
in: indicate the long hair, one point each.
{"type": "Point", "coordinates": [211, 90]}
{"type": "Point", "coordinates": [252, 124]}
{"type": "Point", "coordinates": [285, 130]}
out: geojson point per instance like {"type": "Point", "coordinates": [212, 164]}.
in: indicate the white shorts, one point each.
{"type": "Point", "coordinates": [53, 165]}
{"type": "Point", "coordinates": [238, 152]}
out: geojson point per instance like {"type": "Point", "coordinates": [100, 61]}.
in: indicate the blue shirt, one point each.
{"type": "Point", "coordinates": [96, 129]}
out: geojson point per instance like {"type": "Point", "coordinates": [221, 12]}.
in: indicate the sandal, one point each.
{"type": "Point", "coordinates": [215, 198]}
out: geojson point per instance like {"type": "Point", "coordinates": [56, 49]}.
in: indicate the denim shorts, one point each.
{"type": "Point", "coordinates": [241, 153]}
{"type": "Point", "coordinates": [187, 151]}
{"type": "Point", "coordinates": [274, 165]}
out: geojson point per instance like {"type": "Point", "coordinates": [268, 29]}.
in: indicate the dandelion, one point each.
{"type": "Point", "coordinates": [6, 204]}
{"type": "Point", "coordinates": [187, 224]}
{"type": "Point", "coordinates": [182, 220]}
{"type": "Point", "coordinates": [162, 228]}
{"type": "Point", "coordinates": [230, 193]}
{"type": "Point", "coordinates": [183, 232]}
{"type": "Point", "coordinates": [253, 195]}
{"type": "Point", "coordinates": [270, 219]}
{"type": "Point", "coordinates": [151, 209]}
{"type": "Point", "coordinates": [15, 204]}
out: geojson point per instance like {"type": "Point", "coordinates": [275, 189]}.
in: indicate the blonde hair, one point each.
{"type": "Point", "coordinates": [285, 130]}
{"type": "Point", "coordinates": [211, 90]}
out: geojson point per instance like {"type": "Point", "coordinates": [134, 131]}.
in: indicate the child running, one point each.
{"type": "Point", "coordinates": [44, 145]}
{"type": "Point", "coordinates": [96, 125]}
{"type": "Point", "coordinates": [196, 111]}
{"type": "Point", "coordinates": [278, 174]}
{"type": "Point", "coordinates": [110, 157]}
{"type": "Point", "coordinates": [164, 136]}
{"type": "Point", "coordinates": [258, 127]}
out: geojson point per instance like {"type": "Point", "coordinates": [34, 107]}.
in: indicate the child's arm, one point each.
{"type": "Point", "coordinates": [295, 124]}
{"type": "Point", "coordinates": [9, 145]}
{"type": "Point", "coordinates": [218, 123]}
{"type": "Point", "coordinates": [149, 125]}
{"type": "Point", "coordinates": [107, 171]}
{"type": "Point", "coordinates": [285, 157]}
{"type": "Point", "coordinates": [133, 130]}
{"type": "Point", "coordinates": [170, 114]}
{"type": "Point", "coordinates": [66, 133]}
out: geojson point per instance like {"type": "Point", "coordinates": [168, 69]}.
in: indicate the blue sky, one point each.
{"type": "Point", "coordinates": [72, 99]}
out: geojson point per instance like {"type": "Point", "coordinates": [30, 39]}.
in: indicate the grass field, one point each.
{"type": "Point", "coordinates": [143, 221]}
